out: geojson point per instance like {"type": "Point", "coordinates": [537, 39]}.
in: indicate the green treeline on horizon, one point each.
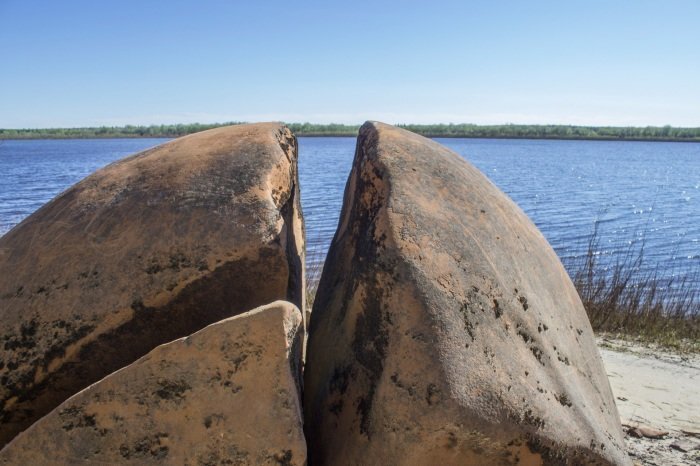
{"type": "Point", "coordinates": [650, 133]}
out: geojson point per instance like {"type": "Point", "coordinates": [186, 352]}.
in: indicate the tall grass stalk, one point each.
{"type": "Point", "coordinates": [619, 298]}
{"type": "Point", "coordinates": [628, 299]}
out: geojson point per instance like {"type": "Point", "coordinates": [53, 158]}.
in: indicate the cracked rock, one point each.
{"type": "Point", "coordinates": [445, 329]}
{"type": "Point", "coordinates": [148, 249]}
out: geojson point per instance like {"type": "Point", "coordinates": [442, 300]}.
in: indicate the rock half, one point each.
{"type": "Point", "coordinates": [445, 329]}
{"type": "Point", "coordinates": [146, 250]}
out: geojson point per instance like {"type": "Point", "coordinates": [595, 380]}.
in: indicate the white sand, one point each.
{"type": "Point", "coordinates": [660, 390]}
{"type": "Point", "coordinates": [657, 392]}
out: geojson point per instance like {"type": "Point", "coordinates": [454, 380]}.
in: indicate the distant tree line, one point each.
{"type": "Point", "coordinates": [129, 131]}
{"type": "Point", "coordinates": [557, 132]}
{"type": "Point", "coordinates": [648, 133]}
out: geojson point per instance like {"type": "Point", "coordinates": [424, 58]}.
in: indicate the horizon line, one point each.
{"type": "Point", "coordinates": [239, 122]}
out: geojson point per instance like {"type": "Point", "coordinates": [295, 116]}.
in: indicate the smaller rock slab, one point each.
{"type": "Point", "coordinates": [228, 394]}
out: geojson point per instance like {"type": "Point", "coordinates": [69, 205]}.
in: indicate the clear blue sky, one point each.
{"type": "Point", "coordinates": [77, 63]}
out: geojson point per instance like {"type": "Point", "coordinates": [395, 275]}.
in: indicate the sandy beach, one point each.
{"type": "Point", "coordinates": [658, 397]}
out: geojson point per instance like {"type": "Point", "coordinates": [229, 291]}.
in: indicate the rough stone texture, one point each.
{"type": "Point", "coordinates": [148, 249]}
{"type": "Point", "coordinates": [445, 330]}
{"type": "Point", "coordinates": [228, 394]}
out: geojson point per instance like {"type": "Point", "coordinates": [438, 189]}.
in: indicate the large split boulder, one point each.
{"type": "Point", "coordinates": [445, 329]}
{"type": "Point", "coordinates": [146, 250]}
{"type": "Point", "coordinates": [228, 394]}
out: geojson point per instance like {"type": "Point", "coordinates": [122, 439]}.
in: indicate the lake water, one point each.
{"type": "Point", "coordinates": [638, 191]}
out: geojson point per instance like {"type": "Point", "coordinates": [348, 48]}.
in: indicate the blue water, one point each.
{"type": "Point", "coordinates": [637, 191]}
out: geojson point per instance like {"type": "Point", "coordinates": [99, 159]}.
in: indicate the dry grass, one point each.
{"type": "Point", "coordinates": [623, 300]}
{"type": "Point", "coordinates": [620, 300]}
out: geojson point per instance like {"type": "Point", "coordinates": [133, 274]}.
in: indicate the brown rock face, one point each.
{"type": "Point", "coordinates": [228, 394]}
{"type": "Point", "coordinates": [445, 330]}
{"type": "Point", "coordinates": [144, 251]}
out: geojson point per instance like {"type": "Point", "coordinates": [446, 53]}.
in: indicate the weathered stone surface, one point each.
{"type": "Point", "coordinates": [146, 250]}
{"type": "Point", "coordinates": [445, 330]}
{"type": "Point", "coordinates": [228, 394]}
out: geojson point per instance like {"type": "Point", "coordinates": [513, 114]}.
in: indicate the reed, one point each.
{"type": "Point", "coordinates": [625, 298]}
{"type": "Point", "coordinates": [620, 299]}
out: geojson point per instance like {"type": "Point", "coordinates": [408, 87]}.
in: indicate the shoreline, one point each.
{"type": "Point", "coordinates": [344, 135]}
{"type": "Point", "coordinates": [557, 132]}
